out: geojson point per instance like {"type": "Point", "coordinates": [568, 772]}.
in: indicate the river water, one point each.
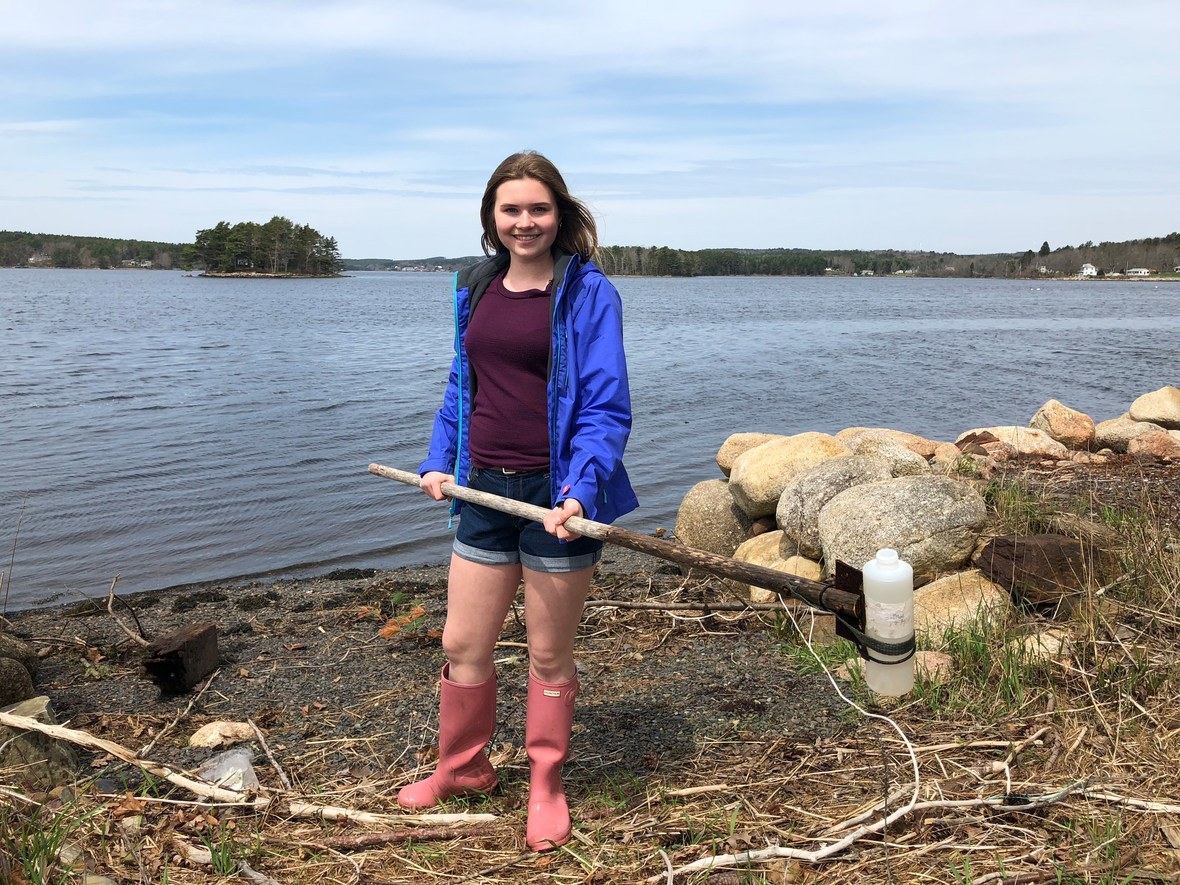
{"type": "Point", "coordinates": [172, 429]}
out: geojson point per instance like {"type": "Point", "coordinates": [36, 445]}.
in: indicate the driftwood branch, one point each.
{"type": "Point", "coordinates": [328, 812]}
{"type": "Point", "coordinates": [138, 638]}
{"type": "Point", "coordinates": [206, 790]}
{"type": "Point", "coordinates": [85, 739]}
{"type": "Point", "coordinates": [693, 606]}
{"type": "Point", "coordinates": [389, 837]}
{"type": "Point", "coordinates": [817, 593]}
{"type": "Point", "coordinates": [820, 855]}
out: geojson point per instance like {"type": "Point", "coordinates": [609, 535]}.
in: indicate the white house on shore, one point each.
{"type": "Point", "coordinates": [1089, 270]}
{"type": "Point", "coordinates": [1138, 272]}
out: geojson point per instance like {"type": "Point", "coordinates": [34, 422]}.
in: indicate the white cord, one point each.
{"type": "Point", "coordinates": [909, 747]}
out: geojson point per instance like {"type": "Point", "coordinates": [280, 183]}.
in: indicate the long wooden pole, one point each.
{"type": "Point", "coordinates": [816, 593]}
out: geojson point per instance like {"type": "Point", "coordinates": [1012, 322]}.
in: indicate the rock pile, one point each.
{"type": "Point", "coordinates": [18, 669]}
{"type": "Point", "coordinates": [801, 503]}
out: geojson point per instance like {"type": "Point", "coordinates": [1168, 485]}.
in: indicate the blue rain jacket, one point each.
{"type": "Point", "coordinates": [588, 397]}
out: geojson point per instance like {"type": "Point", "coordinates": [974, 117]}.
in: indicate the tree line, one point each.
{"type": "Point", "coordinates": [661, 261]}
{"type": "Point", "coordinates": [25, 249]}
{"type": "Point", "coordinates": [1157, 254]}
{"type": "Point", "coordinates": [282, 247]}
{"type": "Point", "coordinates": [277, 247]}
{"type": "Point", "coordinates": [1160, 254]}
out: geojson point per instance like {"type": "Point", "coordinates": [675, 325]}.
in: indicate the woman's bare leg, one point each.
{"type": "Point", "coordinates": [478, 599]}
{"type": "Point", "coordinates": [552, 610]}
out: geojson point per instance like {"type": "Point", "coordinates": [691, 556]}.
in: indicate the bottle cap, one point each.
{"type": "Point", "coordinates": [887, 557]}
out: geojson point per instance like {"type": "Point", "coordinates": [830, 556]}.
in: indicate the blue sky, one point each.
{"type": "Point", "coordinates": [915, 124]}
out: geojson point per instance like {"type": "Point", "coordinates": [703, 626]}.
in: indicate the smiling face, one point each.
{"type": "Point", "coordinates": [526, 219]}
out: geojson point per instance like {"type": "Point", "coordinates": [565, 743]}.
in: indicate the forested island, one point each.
{"type": "Point", "coordinates": [280, 247]}
{"type": "Point", "coordinates": [277, 248]}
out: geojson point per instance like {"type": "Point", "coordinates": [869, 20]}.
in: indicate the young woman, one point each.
{"type": "Point", "coordinates": [536, 408]}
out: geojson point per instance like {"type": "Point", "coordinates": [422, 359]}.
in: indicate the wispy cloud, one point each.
{"type": "Point", "coordinates": [760, 124]}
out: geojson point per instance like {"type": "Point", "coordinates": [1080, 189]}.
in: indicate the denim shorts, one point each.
{"type": "Point", "coordinates": [493, 538]}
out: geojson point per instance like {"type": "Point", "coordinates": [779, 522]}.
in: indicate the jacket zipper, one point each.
{"type": "Point", "coordinates": [459, 425]}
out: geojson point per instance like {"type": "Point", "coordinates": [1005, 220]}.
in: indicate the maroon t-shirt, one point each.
{"type": "Point", "coordinates": [508, 349]}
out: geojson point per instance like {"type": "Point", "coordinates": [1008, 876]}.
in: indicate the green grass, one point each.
{"type": "Point", "coordinates": [31, 844]}
{"type": "Point", "coordinates": [1017, 510]}
{"type": "Point", "coordinates": [993, 673]}
{"type": "Point", "coordinates": [222, 848]}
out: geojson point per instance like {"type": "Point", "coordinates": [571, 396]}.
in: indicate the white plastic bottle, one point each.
{"type": "Point", "coordinates": [889, 616]}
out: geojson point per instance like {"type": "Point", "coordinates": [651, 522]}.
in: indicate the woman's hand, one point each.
{"type": "Point", "coordinates": [432, 483]}
{"type": "Point", "coordinates": [554, 521]}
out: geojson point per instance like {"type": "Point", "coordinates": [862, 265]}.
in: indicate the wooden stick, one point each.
{"type": "Point", "coordinates": [85, 739]}
{"type": "Point", "coordinates": [283, 779]}
{"type": "Point", "coordinates": [816, 593]}
{"type": "Point", "coordinates": [330, 813]}
{"type": "Point", "coordinates": [692, 606]}
{"type": "Point", "coordinates": [139, 639]}
{"type": "Point", "coordinates": [388, 837]}
{"type": "Point", "coordinates": [233, 797]}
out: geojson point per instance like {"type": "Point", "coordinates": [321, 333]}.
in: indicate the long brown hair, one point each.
{"type": "Point", "coordinates": [577, 233]}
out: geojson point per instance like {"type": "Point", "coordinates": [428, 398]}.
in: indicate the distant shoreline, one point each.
{"type": "Point", "coordinates": [1058, 278]}
{"type": "Point", "coordinates": [272, 276]}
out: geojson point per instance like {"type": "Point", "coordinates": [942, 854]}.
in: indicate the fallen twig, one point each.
{"type": "Point", "coordinates": [222, 794]}
{"type": "Point", "coordinates": [328, 812]}
{"type": "Point", "coordinates": [283, 779]}
{"type": "Point", "coordinates": [85, 739]}
{"type": "Point", "coordinates": [387, 837]}
{"type": "Point", "coordinates": [1056, 874]}
{"type": "Point", "coordinates": [139, 639]}
{"type": "Point", "coordinates": [1154, 807]}
{"type": "Point", "coordinates": [488, 871]}
{"type": "Point", "coordinates": [774, 852]}
{"type": "Point", "coordinates": [147, 748]}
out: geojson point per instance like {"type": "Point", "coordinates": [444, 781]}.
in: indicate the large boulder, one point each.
{"type": "Point", "coordinates": [16, 684]}
{"type": "Point", "coordinates": [1156, 444]}
{"type": "Point", "coordinates": [933, 522]}
{"type": "Point", "coordinates": [1025, 440]}
{"type": "Point", "coordinates": [902, 460]}
{"type": "Point", "coordinates": [807, 493]}
{"type": "Point", "coordinates": [1160, 407]}
{"type": "Point", "coordinates": [760, 474]}
{"type": "Point", "coordinates": [919, 445]}
{"type": "Point", "coordinates": [958, 602]}
{"type": "Point", "coordinates": [771, 550]}
{"type": "Point", "coordinates": [1069, 427]}
{"type": "Point", "coordinates": [709, 519]}
{"type": "Point", "coordinates": [738, 444]}
{"type": "Point", "coordinates": [1117, 433]}
{"type": "Point", "coordinates": [11, 647]}
{"type": "Point", "coordinates": [35, 760]}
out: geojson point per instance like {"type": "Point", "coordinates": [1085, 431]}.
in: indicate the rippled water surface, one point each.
{"type": "Point", "coordinates": [171, 429]}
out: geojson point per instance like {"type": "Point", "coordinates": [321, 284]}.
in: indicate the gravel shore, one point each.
{"type": "Point", "coordinates": [305, 661]}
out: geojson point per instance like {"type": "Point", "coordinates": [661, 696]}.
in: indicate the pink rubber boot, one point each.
{"type": "Point", "coordinates": [547, 739]}
{"type": "Point", "coordinates": [466, 720]}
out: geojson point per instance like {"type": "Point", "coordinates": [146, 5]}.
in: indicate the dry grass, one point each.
{"type": "Point", "coordinates": [1059, 770]}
